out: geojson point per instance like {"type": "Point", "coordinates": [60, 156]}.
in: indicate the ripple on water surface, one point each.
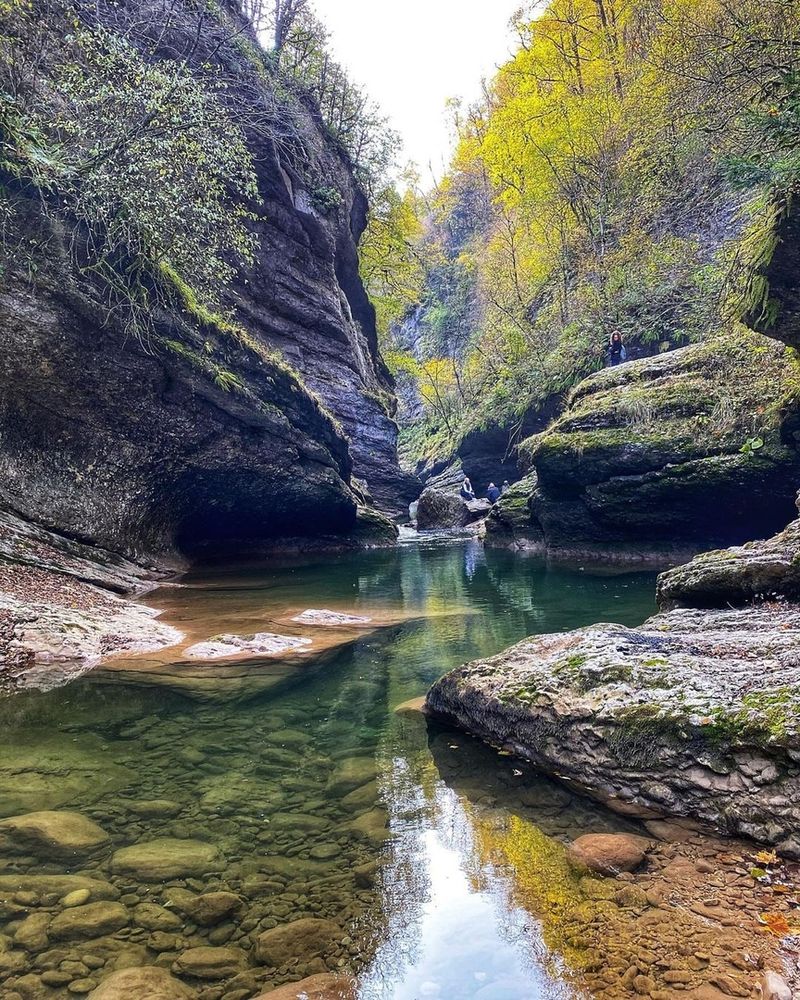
{"type": "Point", "coordinates": [270, 820]}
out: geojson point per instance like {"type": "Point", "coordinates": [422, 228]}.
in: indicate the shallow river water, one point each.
{"type": "Point", "coordinates": [416, 858]}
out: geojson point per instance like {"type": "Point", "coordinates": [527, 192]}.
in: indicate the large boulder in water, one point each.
{"type": "Point", "coordinates": [694, 714]}
{"type": "Point", "coordinates": [442, 509]}
{"type": "Point", "coordinates": [607, 853]}
{"type": "Point", "coordinates": [662, 457]}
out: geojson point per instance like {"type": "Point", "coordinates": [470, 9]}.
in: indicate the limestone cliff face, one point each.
{"type": "Point", "coordinates": [304, 297]}
{"type": "Point", "coordinates": [190, 440]}
{"type": "Point", "coordinates": [663, 456]}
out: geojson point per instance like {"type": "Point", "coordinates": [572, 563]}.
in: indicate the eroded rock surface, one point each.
{"type": "Point", "coordinates": [663, 457]}
{"type": "Point", "coordinates": [222, 647]}
{"type": "Point", "coordinates": [694, 714]}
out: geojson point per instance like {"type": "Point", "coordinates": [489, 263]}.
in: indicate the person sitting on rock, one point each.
{"type": "Point", "coordinates": [505, 487]}
{"type": "Point", "coordinates": [467, 492]}
{"type": "Point", "coordinates": [616, 350]}
{"type": "Point", "coordinates": [493, 493]}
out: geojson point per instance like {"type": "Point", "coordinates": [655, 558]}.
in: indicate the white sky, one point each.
{"type": "Point", "coordinates": [414, 55]}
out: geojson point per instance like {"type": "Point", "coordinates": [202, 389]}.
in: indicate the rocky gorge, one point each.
{"type": "Point", "coordinates": [128, 455]}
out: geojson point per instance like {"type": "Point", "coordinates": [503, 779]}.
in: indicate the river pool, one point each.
{"type": "Point", "coordinates": [425, 863]}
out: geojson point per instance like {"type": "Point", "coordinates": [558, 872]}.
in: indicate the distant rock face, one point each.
{"type": "Point", "coordinates": [695, 714]}
{"type": "Point", "coordinates": [662, 457]}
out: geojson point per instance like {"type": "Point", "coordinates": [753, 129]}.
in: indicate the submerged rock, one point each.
{"type": "Point", "coordinates": [145, 983]}
{"type": "Point", "coordinates": [164, 859]}
{"type": "Point", "coordinates": [211, 907]}
{"type": "Point", "coordinates": [53, 835]}
{"type": "Point", "coordinates": [60, 885]}
{"type": "Point", "coordinates": [261, 644]}
{"type": "Point", "coordinates": [300, 939]}
{"type": "Point", "coordinates": [607, 853]}
{"type": "Point", "coordinates": [314, 617]}
{"type": "Point", "coordinates": [92, 920]}
{"type": "Point", "coordinates": [210, 963]}
{"type": "Point", "coordinates": [320, 987]}
{"type": "Point", "coordinates": [695, 714]}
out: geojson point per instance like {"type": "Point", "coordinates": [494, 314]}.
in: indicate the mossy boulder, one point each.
{"type": "Point", "coordinates": [664, 455]}
{"type": "Point", "coordinates": [695, 714]}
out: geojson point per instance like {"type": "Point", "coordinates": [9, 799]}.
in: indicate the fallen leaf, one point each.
{"type": "Point", "coordinates": [776, 923]}
{"type": "Point", "coordinates": [767, 858]}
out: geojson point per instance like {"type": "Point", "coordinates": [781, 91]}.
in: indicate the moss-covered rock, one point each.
{"type": "Point", "coordinates": [512, 522]}
{"type": "Point", "coordinates": [695, 714]}
{"type": "Point", "coordinates": [664, 455]}
{"type": "Point", "coordinates": [738, 575]}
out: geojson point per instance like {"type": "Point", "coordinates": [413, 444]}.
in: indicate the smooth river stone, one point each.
{"type": "Point", "coordinates": [146, 983]}
{"type": "Point", "coordinates": [153, 917]}
{"type": "Point", "coordinates": [314, 617]}
{"type": "Point", "coordinates": [166, 858]}
{"type": "Point", "coordinates": [261, 644]}
{"type": "Point", "coordinates": [154, 808]}
{"type": "Point", "coordinates": [211, 907]}
{"type": "Point", "coordinates": [301, 939]}
{"type": "Point", "coordinates": [52, 835]}
{"type": "Point", "coordinates": [89, 921]}
{"type": "Point", "coordinates": [210, 963]}
{"type": "Point", "coordinates": [321, 987]}
{"type": "Point", "coordinates": [32, 932]}
{"type": "Point", "coordinates": [371, 825]}
{"type": "Point", "coordinates": [607, 853]}
{"type": "Point", "coordinates": [362, 798]}
{"type": "Point", "coordinates": [299, 821]}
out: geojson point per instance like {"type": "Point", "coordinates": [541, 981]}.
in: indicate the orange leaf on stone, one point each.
{"type": "Point", "coordinates": [776, 923]}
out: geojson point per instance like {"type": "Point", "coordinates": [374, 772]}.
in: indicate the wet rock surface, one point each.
{"type": "Point", "coordinates": [223, 647]}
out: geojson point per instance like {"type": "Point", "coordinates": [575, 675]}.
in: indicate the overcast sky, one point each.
{"type": "Point", "coordinates": [414, 55]}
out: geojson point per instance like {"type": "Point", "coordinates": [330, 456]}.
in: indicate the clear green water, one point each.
{"type": "Point", "coordinates": [437, 860]}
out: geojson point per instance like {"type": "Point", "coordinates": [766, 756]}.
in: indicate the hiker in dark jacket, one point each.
{"type": "Point", "coordinates": [616, 350]}
{"type": "Point", "coordinates": [493, 493]}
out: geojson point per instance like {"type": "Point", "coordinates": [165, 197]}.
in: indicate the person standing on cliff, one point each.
{"type": "Point", "coordinates": [616, 350]}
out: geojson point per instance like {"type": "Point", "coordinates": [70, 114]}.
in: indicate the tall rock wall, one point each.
{"type": "Point", "coordinates": [192, 439]}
